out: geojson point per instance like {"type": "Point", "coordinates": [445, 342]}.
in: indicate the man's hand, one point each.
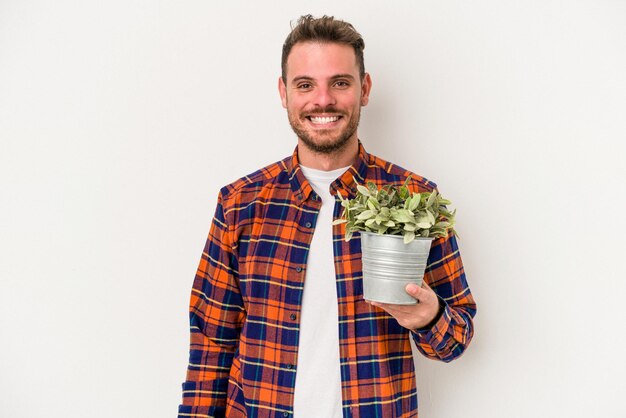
{"type": "Point", "coordinates": [414, 316]}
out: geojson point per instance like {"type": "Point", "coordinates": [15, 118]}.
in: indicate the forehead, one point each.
{"type": "Point", "coordinates": [321, 60]}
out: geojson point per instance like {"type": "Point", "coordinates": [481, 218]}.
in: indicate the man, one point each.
{"type": "Point", "coordinates": [279, 327]}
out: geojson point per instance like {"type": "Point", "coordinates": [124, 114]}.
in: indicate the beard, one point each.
{"type": "Point", "coordinates": [324, 141]}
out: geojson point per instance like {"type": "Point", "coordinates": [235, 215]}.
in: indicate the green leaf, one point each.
{"type": "Point", "coordinates": [414, 202]}
{"type": "Point", "coordinates": [423, 217]}
{"type": "Point", "coordinates": [404, 192]}
{"type": "Point", "coordinates": [339, 221]}
{"type": "Point", "coordinates": [432, 198]}
{"type": "Point", "coordinates": [379, 219]}
{"type": "Point", "coordinates": [403, 215]}
{"type": "Point", "coordinates": [445, 213]}
{"type": "Point", "coordinates": [408, 237]}
{"type": "Point", "coordinates": [365, 215]}
{"type": "Point", "coordinates": [363, 190]}
{"type": "Point", "coordinates": [437, 232]}
{"type": "Point", "coordinates": [431, 217]}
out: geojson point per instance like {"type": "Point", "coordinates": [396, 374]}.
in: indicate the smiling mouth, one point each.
{"type": "Point", "coordinates": [323, 120]}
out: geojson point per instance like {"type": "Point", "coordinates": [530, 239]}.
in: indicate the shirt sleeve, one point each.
{"type": "Point", "coordinates": [216, 314]}
{"type": "Point", "coordinates": [450, 335]}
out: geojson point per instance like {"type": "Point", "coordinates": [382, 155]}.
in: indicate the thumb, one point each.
{"type": "Point", "coordinates": [413, 290]}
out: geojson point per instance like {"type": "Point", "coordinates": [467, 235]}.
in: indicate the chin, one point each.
{"type": "Point", "coordinates": [325, 146]}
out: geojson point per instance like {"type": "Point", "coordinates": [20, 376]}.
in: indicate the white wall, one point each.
{"type": "Point", "coordinates": [120, 120]}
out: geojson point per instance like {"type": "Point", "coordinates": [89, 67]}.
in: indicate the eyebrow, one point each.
{"type": "Point", "coordinates": [309, 78]}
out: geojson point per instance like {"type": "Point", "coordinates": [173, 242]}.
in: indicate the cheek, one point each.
{"type": "Point", "coordinates": [296, 105]}
{"type": "Point", "coordinates": [353, 101]}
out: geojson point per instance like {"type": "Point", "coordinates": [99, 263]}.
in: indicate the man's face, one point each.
{"type": "Point", "coordinates": [323, 94]}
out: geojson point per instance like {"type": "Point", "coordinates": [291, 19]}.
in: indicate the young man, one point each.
{"type": "Point", "coordinates": [279, 327]}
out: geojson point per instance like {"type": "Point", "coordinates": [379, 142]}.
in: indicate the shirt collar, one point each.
{"type": "Point", "coordinates": [345, 184]}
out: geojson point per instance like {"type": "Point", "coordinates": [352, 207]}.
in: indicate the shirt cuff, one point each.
{"type": "Point", "coordinates": [433, 334]}
{"type": "Point", "coordinates": [429, 326]}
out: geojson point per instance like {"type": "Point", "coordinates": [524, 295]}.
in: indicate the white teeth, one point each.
{"type": "Point", "coordinates": [324, 119]}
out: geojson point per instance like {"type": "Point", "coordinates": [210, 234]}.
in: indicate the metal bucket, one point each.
{"type": "Point", "coordinates": [389, 265]}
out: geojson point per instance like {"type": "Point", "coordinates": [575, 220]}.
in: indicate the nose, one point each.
{"type": "Point", "coordinates": [324, 97]}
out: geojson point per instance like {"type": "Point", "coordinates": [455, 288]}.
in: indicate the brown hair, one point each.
{"type": "Point", "coordinates": [323, 29]}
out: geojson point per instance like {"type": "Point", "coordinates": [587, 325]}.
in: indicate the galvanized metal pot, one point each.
{"type": "Point", "coordinates": [389, 265]}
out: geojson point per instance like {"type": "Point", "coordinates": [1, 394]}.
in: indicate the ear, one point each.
{"type": "Point", "coordinates": [366, 87]}
{"type": "Point", "coordinates": [282, 90]}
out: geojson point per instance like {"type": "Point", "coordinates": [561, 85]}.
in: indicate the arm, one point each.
{"type": "Point", "coordinates": [441, 322]}
{"type": "Point", "coordinates": [453, 329]}
{"type": "Point", "coordinates": [216, 315]}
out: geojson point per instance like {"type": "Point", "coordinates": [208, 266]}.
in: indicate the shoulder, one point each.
{"type": "Point", "coordinates": [249, 187]}
{"type": "Point", "coordinates": [384, 172]}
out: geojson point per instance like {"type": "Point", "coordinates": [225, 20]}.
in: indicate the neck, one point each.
{"type": "Point", "coordinates": [341, 158]}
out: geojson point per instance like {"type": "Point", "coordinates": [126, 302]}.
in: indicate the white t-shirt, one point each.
{"type": "Point", "coordinates": [318, 372]}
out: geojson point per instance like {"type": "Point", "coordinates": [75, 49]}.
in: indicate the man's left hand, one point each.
{"type": "Point", "coordinates": [414, 316]}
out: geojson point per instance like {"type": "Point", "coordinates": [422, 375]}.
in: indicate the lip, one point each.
{"type": "Point", "coordinates": [322, 120]}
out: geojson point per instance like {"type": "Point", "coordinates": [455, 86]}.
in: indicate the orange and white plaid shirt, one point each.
{"type": "Point", "coordinates": [247, 293]}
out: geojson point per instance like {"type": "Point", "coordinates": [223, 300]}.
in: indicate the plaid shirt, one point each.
{"type": "Point", "coordinates": [247, 293]}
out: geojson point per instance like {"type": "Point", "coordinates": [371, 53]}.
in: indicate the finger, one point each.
{"type": "Point", "coordinates": [384, 307]}
{"type": "Point", "coordinates": [415, 291]}
{"type": "Point", "coordinates": [426, 289]}
{"type": "Point", "coordinates": [394, 309]}
{"type": "Point", "coordinates": [423, 294]}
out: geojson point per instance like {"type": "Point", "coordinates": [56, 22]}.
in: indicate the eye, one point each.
{"type": "Point", "coordinates": [304, 86]}
{"type": "Point", "coordinates": [342, 84]}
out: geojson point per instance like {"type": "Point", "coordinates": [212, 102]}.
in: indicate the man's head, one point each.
{"type": "Point", "coordinates": [323, 83]}
{"type": "Point", "coordinates": [325, 29]}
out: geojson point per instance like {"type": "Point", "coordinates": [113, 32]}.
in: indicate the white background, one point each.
{"type": "Point", "coordinates": [120, 120]}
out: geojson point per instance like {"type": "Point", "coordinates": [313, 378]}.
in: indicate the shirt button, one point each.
{"type": "Point", "coordinates": [285, 414]}
{"type": "Point", "coordinates": [308, 224]}
{"type": "Point", "coordinates": [298, 269]}
{"type": "Point", "coordinates": [292, 316]}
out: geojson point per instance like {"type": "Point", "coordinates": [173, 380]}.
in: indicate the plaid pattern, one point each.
{"type": "Point", "coordinates": [245, 303]}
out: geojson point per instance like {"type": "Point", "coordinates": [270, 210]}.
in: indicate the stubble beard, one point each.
{"type": "Point", "coordinates": [326, 146]}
